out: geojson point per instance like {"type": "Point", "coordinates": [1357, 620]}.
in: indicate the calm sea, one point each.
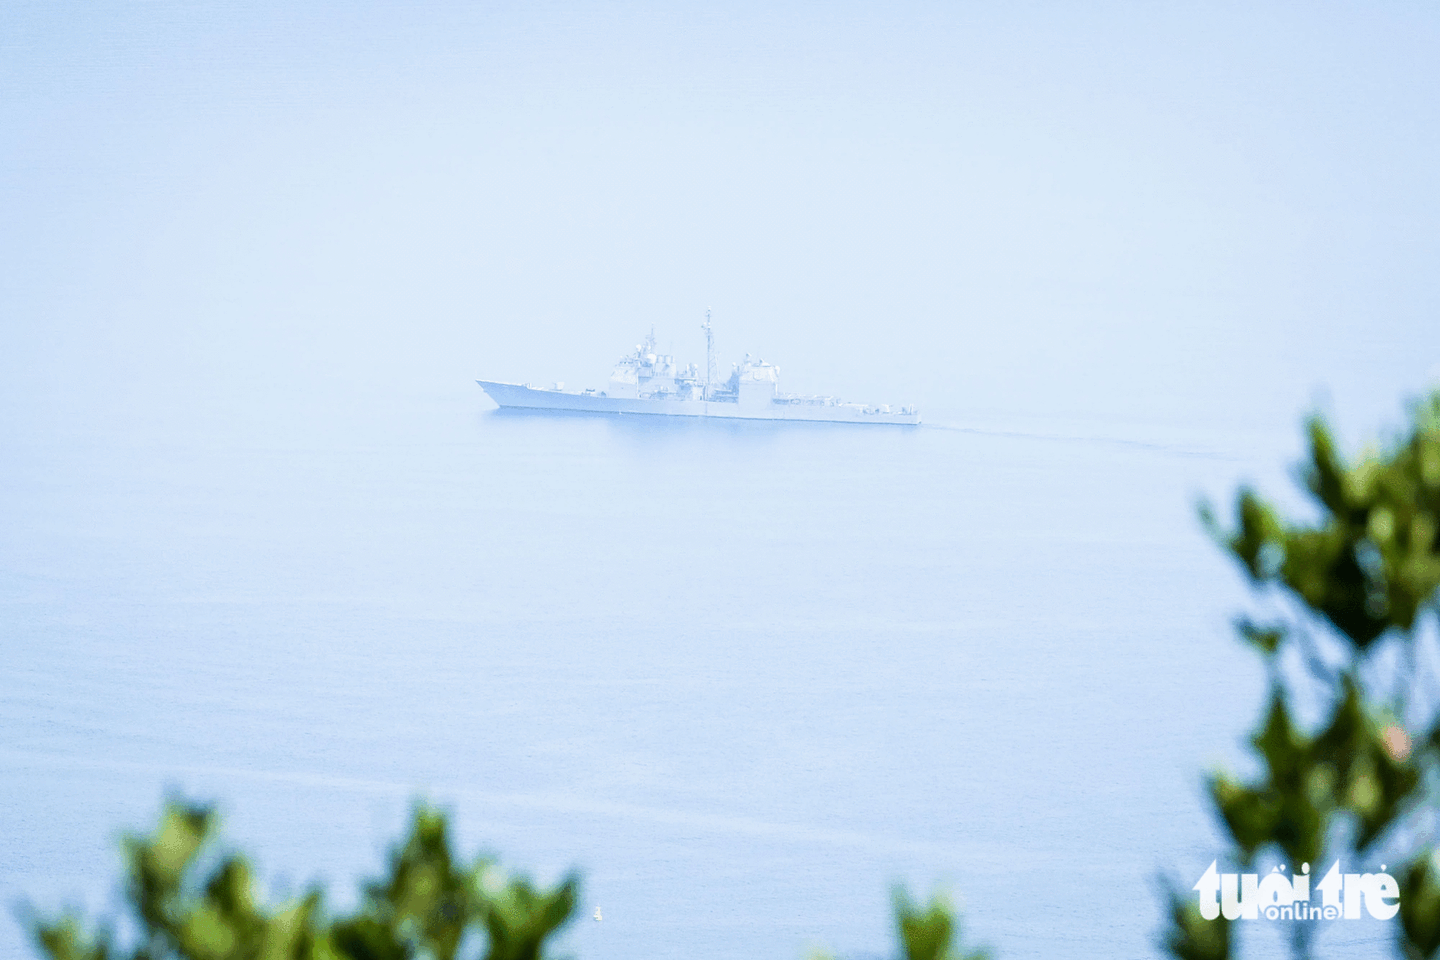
{"type": "Point", "coordinates": [744, 677]}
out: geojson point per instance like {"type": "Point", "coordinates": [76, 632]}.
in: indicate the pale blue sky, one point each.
{"type": "Point", "coordinates": [1159, 212]}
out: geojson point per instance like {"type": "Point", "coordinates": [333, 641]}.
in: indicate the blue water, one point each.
{"type": "Point", "coordinates": [743, 676]}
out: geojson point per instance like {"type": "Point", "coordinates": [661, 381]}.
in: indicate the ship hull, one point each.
{"type": "Point", "coordinates": [522, 397]}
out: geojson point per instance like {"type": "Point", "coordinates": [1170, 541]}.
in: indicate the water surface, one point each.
{"type": "Point", "coordinates": [743, 676]}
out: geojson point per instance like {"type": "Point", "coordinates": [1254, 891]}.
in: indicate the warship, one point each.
{"type": "Point", "coordinates": [650, 383]}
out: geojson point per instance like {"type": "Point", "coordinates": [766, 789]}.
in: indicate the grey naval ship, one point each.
{"type": "Point", "coordinates": [649, 382]}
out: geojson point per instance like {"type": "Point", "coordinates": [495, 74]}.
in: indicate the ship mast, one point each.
{"type": "Point", "coordinates": [709, 354]}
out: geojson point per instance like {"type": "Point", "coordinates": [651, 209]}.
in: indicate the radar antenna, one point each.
{"type": "Point", "coordinates": [709, 354]}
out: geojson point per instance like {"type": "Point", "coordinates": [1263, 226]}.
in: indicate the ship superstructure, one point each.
{"type": "Point", "coordinates": [649, 382]}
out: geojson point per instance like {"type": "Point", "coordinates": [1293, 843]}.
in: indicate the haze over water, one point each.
{"type": "Point", "coordinates": [745, 677]}
{"type": "Point", "coordinates": [263, 540]}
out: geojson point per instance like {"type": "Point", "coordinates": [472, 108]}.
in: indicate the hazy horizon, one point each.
{"type": "Point", "coordinates": [1173, 215]}
{"type": "Point", "coordinates": [262, 539]}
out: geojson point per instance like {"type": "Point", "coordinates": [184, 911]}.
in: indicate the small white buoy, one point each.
{"type": "Point", "coordinates": [597, 914]}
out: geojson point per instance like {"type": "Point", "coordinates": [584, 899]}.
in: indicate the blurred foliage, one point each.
{"type": "Point", "coordinates": [1346, 768]}
{"type": "Point", "coordinates": [1371, 563]}
{"type": "Point", "coordinates": [928, 932]}
{"type": "Point", "coordinates": [1191, 936]}
{"type": "Point", "coordinates": [1420, 908]}
{"type": "Point", "coordinates": [184, 908]}
{"type": "Point", "coordinates": [189, 904]}
{"type": "Point", "coordinates": [1363, 574]}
